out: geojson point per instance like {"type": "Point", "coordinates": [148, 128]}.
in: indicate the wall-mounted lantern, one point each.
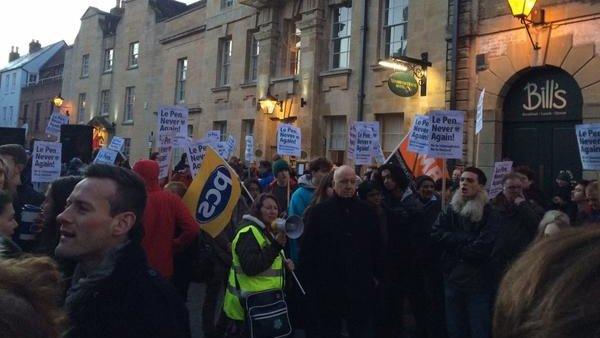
{"type": "Point", "coordinates": [521, 9]}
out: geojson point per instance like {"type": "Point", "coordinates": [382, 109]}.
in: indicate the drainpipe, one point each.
{"type": "Point", "coordinates": [363, 57]}
{"type": "Point", "coordinates": [454, 55]}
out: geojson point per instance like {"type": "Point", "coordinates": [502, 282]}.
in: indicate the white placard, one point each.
{"type": "Point", "coordinates": [479, 118]}
{"type": "Point", "coordinates": [353, 134]}
{"type": "Point", "coordinates": [420, 135]}
{"type": "Point", "coordinates": [172, 121]}
{"type": "Point", "coordinates": [446, 139]}
{"type": "Point", "coordinates": [117, 143]}
{"type": "Point", "coordinates": [165, 148]}
{"type": "Point", "coordinates": [213, 137]}
{"type": "Point", "coordinates": [56, 120]}
{"type": "Point", "coordinates": [500, 169]}
{"type": "Point", "coordinates": [249, 152]}
{"type": "Point", "coordinates": [289, 140]}
{"type": "Point", "coordinates": [45, 161]}
{"type": "Point", "coordinates": [222, 149]}
{"type": "Point", "coordinates": [351, 141]}
{"type": "Point", "coordinates": [106, 156]}
{"type": "Point", "coordinates": [230, 145]}
{"type": "Point", "coordinates": [378, 152]}
{"type": "Point", "coordinates": [364, 146]}
{"type": "Point", "coordinates": [588, 139]}
{"type": "Point", "coordinates": [196, 150]}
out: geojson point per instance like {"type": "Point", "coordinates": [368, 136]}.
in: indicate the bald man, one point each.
{"type": "Point", "coordinates": [339, 260]}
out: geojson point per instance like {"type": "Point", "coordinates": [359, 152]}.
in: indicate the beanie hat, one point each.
{"type": "Point", "coordinates": [422, 179]}
{"type": "Point", "coordinates": [366, 187]}
{"type": "Point", "coordinates": [280, 165]}
{"type": "Point", "coordinates": [565, 175]}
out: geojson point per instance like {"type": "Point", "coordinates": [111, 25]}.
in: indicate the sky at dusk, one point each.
{"type": "Point", "coordinates": [48, 21]}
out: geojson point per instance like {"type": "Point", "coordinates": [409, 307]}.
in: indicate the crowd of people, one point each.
{"type": "Point", "coordinates": [108, 251]}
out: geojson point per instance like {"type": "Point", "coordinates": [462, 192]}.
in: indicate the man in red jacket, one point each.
{"type": "Point", "coordinates": [164, 212]}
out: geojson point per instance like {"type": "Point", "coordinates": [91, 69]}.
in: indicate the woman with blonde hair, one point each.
{"type": "Point", "coordinates": [29, 294]}
{"type": "Point", "coordinates": [553, 222]}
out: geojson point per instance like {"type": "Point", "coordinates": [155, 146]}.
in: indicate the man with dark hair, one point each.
{"type": "Point", "coordinates": [113, 292]}
{"type": "Point", "coordinates": [464, 233]}
{"type": "Point", "coordinates": [284, 185]}
{"type": "Point", "coordinates": [15, 157]}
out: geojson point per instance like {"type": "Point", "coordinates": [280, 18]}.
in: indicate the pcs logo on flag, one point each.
{"type": "Point", "coordinates": [215, 195]}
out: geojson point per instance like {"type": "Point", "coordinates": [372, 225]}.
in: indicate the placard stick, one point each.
{"type": "Point", "coordinates": [415, 165]}
{"type": "Point", "coordinates": [477, 152]}
{"type": "Point", "coordinates": [444, 185]}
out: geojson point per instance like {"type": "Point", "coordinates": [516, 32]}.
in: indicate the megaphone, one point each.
{"type": "Point", "coordinates": [293, 227]}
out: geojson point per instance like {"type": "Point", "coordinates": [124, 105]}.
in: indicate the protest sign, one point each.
{"type": "Point", "coordinates": [288, 140]}
{"type": "Point", "coordinates": [446, 140]}
{"type": "Point", "coordinates": [500, 169]}
{"type": "Point", "coordinates": [420, 134]}
{"type": "Point", "coordinates": [172, 121]}
{"type": "Point", "coordinates": [117, 144]}
{"type": "Point", "coordinates": [56, 120]}
{"type": "Point", "coordinates": [364, 146]}
{"type": "Point", "coordinates": [353, 133]}
{"type": "Point", "coordinates": [45, 161]}
{"type": "Point", "coordinates": [249, 152]}
{"type": "Point", "coordinates": [222, 149]}
{"type": "Point", "coordinates": [165, 146]}
{"type": "Point", "coordinates": [378, 152]}
{"type": "Point", "coordinates": [213, 137]}
{"type": "Point", "coordinates": [479, 119]}
{"type": "Point", "coordinates": [351, 141]}
{"type": "Point", "coordinates": [196, 150]}
{"type": "Point", "coordinates": [106, 156]}
{"type": "Point", "coordinates": [588, 139]}
{"type": "Point", "coordinates": [230, 145]}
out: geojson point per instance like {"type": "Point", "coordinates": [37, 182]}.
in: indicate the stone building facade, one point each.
{"type": "Point", "coordinates": [533, 96]}
{"type": "Point", "coordinates": [219, 58]}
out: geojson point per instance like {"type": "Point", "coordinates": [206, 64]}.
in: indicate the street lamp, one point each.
{"type": "Point", "coordinates": [521, 9]}
{"type": "Point", "coordinates": [268, 103]}
{"type": "Point", "coordinates": [58, 101]}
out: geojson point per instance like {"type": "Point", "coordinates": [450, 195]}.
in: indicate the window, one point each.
{"type": "Point", "coordinates": [104, 102]}
{"type": "Point", "coordinates": [391, 129]}
{"type": "Point", "coordinates": [394, 27]}
{"type": "Point", "coordinates": [6, 83]}
{"type": "Point", "coordinates": [337, 133]}
{"type": "Point", "coordinates": [81, 108]}
{"type": "Point", "coordinates": [10, 114]}
{"type": "Point", "coordinates": [226, 3]}
{"type": "Point", "coordinates": [4, 116]}
{"type": "Point", "coordinates": [221, 126]}
{"type": "Point", "coordinates": [247, 130]}
{"type": "Point", "coordinates": [224, 62]}
{"type": "Point", "coordinates": [108, 60]}
{"type": "Point", "coordinates": [126, 147]}
{"type": "Point", "coordinates": [85, 65]}
{"type": "Point", "coordinates": [340, 37]}
{"type": "Point", "coordinates": [182, 65]}
{"type": "Point", "coordinates": [134, 50]}
{"type": "Point", "coordinates": [38, 110]}
{"type": "Point", "coordinates": [129, 102]}
{"type": "Point", "coordinates": [253, 51]}
{"type": "Point", "coordinates": [14, 82]}
{"type": "Point", "coordinates": [32, 79]}
{"type": "Point", "coordinates": [292, 49]}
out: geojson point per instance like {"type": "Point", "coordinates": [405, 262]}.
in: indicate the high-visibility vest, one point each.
{"type": "Point", "coordinates": [270, 279]}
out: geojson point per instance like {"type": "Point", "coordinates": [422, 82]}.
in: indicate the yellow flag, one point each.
{"type": "Point", "coordinates": [213, 194]}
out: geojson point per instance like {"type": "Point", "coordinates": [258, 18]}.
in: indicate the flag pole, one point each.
{"type": "Point", "coordinates": [477, 152]}
{"type": "Point", "coordinates": [444, 185]}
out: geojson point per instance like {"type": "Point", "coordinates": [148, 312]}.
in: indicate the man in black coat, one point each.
{"type": "Point", "coordinates": [339, 261]}
{"type": "Point", "coordinates": [113, 292]}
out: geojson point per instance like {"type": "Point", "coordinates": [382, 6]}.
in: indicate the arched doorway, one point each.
{"type": "Point", "coordinates": [541, 110]}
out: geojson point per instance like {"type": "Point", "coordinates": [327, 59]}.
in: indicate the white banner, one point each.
{"type": "Point", "coordinates": [500, 169]}
{"type": "Point", "coordinates": [222, 150]}
{"type": "Point", "coordinates": [479, 118]}
{"type": "Point", "coordinates": [56, 120]}
{"type": "Point", "coordinates": [420, 135]}
{"type": "Point", "coordinates": [351, 141]}
{"type": "Point", "coordinates": [249, 152]}
{"type": "Point", "coordinates": [364, 146]}
{"type": "Point", "coordinates": [289, 140]}
{"type": "Point", "coordinates": [106, 156]}
{"type": "Point", "coordinates": [165, 148]}
{"type": "Point", "coordinates": [213, 137]}
{"type": "Point", "coordinates": [446, 139]}
{"type": "Point", "coordinates": [588, 139]}
{"type": "Point", "coordinates": [196, 151]}
{"type": "Point", "coordinates": [230, 146]}
{"type": "Point", "coordinates": [117, 143]}
{"type": "Point", "coordinates": [45, 161]}
{"type": "Point", "coordinates": [172, 121]}
{"type": "Point", "coordinates": [378, 152]}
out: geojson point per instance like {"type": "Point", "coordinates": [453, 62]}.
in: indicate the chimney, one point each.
{"type": "Point", "coordinates": [34, 46]}
{"type": "Point", "coordinates": [118, 9]}
{"type": "Point", "coordinates": [13, 54]}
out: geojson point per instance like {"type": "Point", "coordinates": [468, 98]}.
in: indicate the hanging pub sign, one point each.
{"type": "Point", "coordinates": [403, 84]}
{"type": "Point", "coordinates": [544, 94]}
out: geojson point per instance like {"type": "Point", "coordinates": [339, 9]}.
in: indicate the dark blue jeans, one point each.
{"type": "Point", "coordinates": [468, 314]}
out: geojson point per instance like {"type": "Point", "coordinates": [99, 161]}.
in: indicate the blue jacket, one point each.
{"type": "Point", "coordinates": [265, 180]}
{"type": "Point", "coordinates": [302, 196]}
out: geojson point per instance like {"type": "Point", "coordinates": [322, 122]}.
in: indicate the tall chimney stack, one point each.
{"type": "Point", "coordinates": [34, 46]}
{"type": "Point", "coordinates": [14, 54]}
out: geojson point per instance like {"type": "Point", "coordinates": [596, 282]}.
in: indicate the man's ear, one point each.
{"type": "Point", "coordinates": [19, 168]}
{"type": "Point", "coordinates": [123, 222]}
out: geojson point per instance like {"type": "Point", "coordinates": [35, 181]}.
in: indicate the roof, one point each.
{"type": "Point", "coordinates": [23, 60]}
